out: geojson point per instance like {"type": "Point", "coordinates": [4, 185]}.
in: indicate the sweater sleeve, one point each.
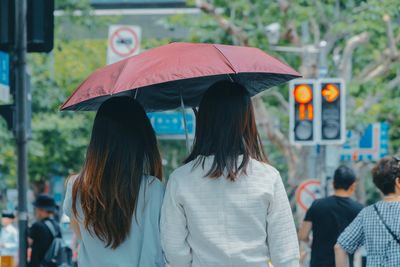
{"type": "Point", "coordinates": [282, 237]}
{"type": "Point", "coordinates": [151, 253]}
{"type": "Point", "coordinates": [174, 229]}
{"type": "Point", "coordinates": [67, 205]}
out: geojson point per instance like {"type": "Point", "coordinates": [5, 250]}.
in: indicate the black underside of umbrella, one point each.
{"type": "Point", "coordinates": [167, 96]}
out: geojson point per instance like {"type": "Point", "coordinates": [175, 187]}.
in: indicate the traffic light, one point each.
{"type": "Point", "coordinates": [40, 25]}
{"type": "Point", "coordinates": [302, 111]}
{"type": "Point", "coordinates": [6, 24]}
{"type": "Point", "coordinates": [331, 113]}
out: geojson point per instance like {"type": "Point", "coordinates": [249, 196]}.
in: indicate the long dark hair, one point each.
{"type": "Point", "coordinates": [226, 128]}
{"type": "Point", "coordinates": [122, 149]}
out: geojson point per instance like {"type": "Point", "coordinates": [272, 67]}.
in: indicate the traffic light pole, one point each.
{"type": "Point", "coordinates": [322, 73]}
{"type": "Point", "coordinates": [20, 127]}
{"type": "Point", "coordinates": [327, 152]}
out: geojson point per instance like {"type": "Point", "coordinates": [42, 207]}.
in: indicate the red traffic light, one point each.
{"type": "Point", "coordinates": [302, 99]}
{"type": "Point", "coordinates": [303, 93]}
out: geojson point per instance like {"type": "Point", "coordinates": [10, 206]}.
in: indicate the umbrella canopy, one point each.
{"type": "Point", "coordinates": [164, 77]}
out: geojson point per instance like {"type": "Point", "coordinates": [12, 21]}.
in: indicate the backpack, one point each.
{"type": "Point", "coordinates": [58, 254]}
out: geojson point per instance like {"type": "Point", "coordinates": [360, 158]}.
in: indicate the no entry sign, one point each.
{"type": "Point", "coordinates": [307, 192]}
{"type": "Point", "coordinates": [123, 42]}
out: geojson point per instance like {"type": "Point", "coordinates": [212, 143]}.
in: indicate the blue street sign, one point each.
{"type": "Point", "coordinates": [371, 145]}
{"type": "Point", "coordinates": [58, 188]}
{"type": "Point", "coordinates": [171, 124]}
{"type": "Point", "coordinates": [4, 69]}
{"type": "Point", "coordinates": [4, 77]}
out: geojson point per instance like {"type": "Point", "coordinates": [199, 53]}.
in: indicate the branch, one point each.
{"type": "Point", "coordinates": [388, 56]}
{"type": "Point", "coordinates": [390, 35]}
{"type": "Point", "coordinates": [324, 20]}
{"type": "Point", "coordinates": [291, 34]}
{"type": "Point", "coordinates": [225, 24]}
{"type": "Point", "coordinates": [331, 37]}
{"type": "Point", "coordinates": [315, 30]}
{"type": "Point", "coordinates": [276, 137]}
{"type": "Point", "coordinates": [283, 5]}
{"type": "Point", "coordinates": [395, 82]}
{"type": "Point", "coordinates": [345, 67]}
{"type": "Point", "coordinates": [373, 99]}
{"type": "Point", "coordinates": [379, 67]}
{"type": "Point", "coordinates": [370, 100]}
{"type": "Point", "coordinates": [284, 103]}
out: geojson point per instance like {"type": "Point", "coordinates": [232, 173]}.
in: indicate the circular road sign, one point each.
{"type": "Point", "coordinates": [307, 192]}
{"type": "Point", "coordinates": [124, 42]}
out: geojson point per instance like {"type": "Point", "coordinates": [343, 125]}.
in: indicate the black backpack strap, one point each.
{"type": "Point", "coordinates": [52, 229]}
{"type": "Point", "coordinates": [385, 224]}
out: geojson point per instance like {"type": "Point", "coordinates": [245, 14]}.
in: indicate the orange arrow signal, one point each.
{"type": "Point", "coordinates": [331, 92]}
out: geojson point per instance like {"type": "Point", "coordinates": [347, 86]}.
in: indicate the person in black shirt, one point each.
{"type": "Point", "coordinates": [40, 237]}
{"type": "Point", "coordinates": [328, 217]}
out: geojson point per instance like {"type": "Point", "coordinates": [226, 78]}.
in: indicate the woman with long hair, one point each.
{"type": "Point", "coordinates": [227, 206]}
{"type": "Point", "coordinates": [115, 202]}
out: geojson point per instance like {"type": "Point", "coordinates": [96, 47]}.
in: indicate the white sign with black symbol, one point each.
{"type": "Point", "coordinates": [123, 42]}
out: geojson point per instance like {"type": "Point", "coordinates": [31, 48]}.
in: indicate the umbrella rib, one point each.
{"type": "Point", "coordinates": [119, 75]}
{"type": "Point", "coordinates": [229, 63]}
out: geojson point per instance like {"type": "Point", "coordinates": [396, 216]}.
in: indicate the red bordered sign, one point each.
{"type": "Point", "coordinates": [124, 42]}
{"type": "Point", "coordinates": [307, 192]}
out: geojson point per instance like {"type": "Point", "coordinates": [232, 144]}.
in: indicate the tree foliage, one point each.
{"type": "Point", "coordinates": [362, 41]}
{"type": "Point", "coordinates": [58, 140]}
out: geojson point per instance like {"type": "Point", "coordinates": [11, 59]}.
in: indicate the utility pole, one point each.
{"type": "Point", "coordinates": [322, 73]}
{"type": "Point", "coordinates": [21, 119]}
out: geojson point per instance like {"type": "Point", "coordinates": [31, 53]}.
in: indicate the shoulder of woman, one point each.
{"type": "Point", "coordinates": [71, 180]}
{"type": "Point", "coordinates": [155, 184]}
{"type": "Point", "coordinates": [182, 172]}
{"type": "Point", "coordinates": [264, 167]}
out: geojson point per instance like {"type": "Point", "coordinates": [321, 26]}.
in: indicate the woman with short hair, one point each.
{"type": "Point", "coordinates": [115, 202]}
{"type": "Point", "coordinates": [377, 227]}
{"type": "Point", "coordinates": [227, 206]}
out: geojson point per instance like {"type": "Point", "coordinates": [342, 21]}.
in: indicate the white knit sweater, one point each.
{"type": "Point", "coordinates": [219, 223]}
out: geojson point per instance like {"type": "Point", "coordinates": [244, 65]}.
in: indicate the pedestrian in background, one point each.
{"type": "Point", "coordinates": [227, 206]}
{"type": "Point", "coordinates": [40, 236]}
{"type": "Point", "coordinates": [9, 235]}
{"type": "Point", "coordinates": [115, 202]}
{"type": "Point", "coordinates": [328, 217]}
{"type": "Point", "coordinates": [377, 227]}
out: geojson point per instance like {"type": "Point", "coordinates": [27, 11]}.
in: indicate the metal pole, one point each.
{"type": "Point", "coordinates": [322, 73]}
{"type": "Point", "coordinates": [20, 130]}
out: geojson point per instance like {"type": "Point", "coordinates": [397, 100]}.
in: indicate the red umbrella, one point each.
{"type": "Point", "coordinates": [166, 77]}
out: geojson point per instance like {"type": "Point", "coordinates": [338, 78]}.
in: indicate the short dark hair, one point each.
{"type": "Point", "coordinates": [226, 128]}
{"type": "Point", "coordinates": [384, 174]}
{"type": "Point", "coordinates": [343, 178]}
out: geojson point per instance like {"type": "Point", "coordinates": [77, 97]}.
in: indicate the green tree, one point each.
{"type": "Point", "coordinates": [58, 139]}
{"type": "Point", "coordinates": [362, 47]}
